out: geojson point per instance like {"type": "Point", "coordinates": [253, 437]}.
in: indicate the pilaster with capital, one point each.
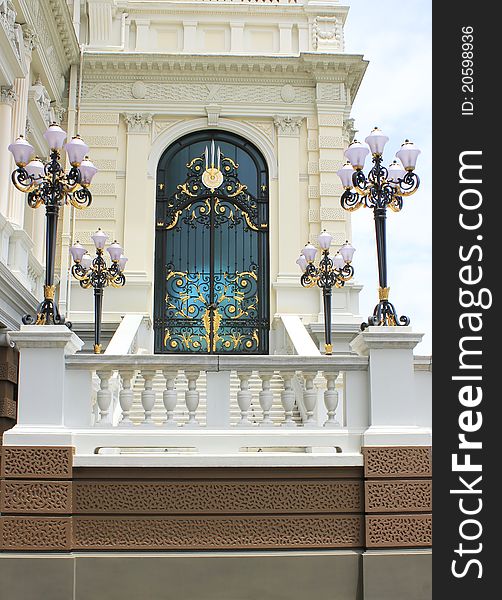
{"type": "Point", "coordinates": [8, 98]}
{"type": "Point", "coordinates": [137, 187]}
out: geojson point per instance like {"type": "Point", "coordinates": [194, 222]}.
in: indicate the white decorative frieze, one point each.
{"type": "Point", "coordinates": [99, 118]}
{"type": "Point", "coordinates": [288, 125]}
{"type": "Point", "coordinates": [190, 92]}
{"type": "Point", "coordinates": [313, 167]}
{"type": "Point", "coordinates": [139, 90]}
{"type": "Point", "coordinates": [105, 164]}
{"type": "Point", "coordinates": [314, 215]}
{"type": "Point", "coordinates": [103, 189]}
{"type": "Point", "coordinates": [331, 120]}
{"type": "Point", "coordinates": [138, 122]}
{"type": "Point", "coordinates": [331, 213]}
{"type": "Point", "coordinates": [313, 191]}
{"type": "Point", "coordinates": [330, 141]}
{"type": "Point", "coordinates": [288, 93]}
{"type": "Point", "coordinates": [96, 141]}
{"type": "Point", "coordinates": [327, 34]}
{"type": "Point", "coordinates": [98, 213]}
{"type": "Point", "coordinates": [329, 166]}
{"type": "Point", "coordinates": [11, 29]}
{"type": "Point", "coordinates": [330, 92]}
{"type": "Point", "coordinates": [84, 237]}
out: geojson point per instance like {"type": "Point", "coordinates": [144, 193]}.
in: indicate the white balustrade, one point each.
{"type": "Point", "coordinates": [170, 397]}
{"type": "Point", "coordinates": [244, 398]}
{"type": "Point", "coordinates": [272, 410]}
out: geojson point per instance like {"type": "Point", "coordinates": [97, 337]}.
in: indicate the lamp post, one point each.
{"type": "Point", "coordinates": [382, 188]}
{"type": "Point", "coordinates": [47, 184]}
{"type": "Point", "coordinates": [331, 272]}
{"type": "Point", "coordinates": [96, 274]}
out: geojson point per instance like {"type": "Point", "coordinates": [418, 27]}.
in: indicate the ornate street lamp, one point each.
{"type": "Point", "coordinates": [96, 274]}
{"type": "Point", "coordinates": [47, 184]}
{"type": "Point", "coordinates": [382, 188]}
{"type": "Point", "coordinates": [331, 272]}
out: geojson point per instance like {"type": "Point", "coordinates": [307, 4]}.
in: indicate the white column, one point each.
{"type": "Point", "coordinates": [16, 201]}
{"type": "Point", "coordinates": [43, 397]}
{"type": "Point", "coordinates": [137, 218]}
{"type": "Point", "coordinates": [392, 411]}
{"type": "Point", "coordinates": [7, 100]}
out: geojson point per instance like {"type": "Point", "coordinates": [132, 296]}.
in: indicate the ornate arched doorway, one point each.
{"type": "Point", "coordinates": [211, 247]}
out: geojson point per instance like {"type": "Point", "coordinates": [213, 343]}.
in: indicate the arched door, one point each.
{"type": "Point", "coordinates": [211, 247]}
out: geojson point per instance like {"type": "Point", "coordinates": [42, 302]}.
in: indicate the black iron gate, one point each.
{"type": "Point", "coordinates": [211, 247]}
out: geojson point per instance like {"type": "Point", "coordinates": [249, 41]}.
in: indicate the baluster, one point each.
{"type": "Point", "coordinates": [104, 398]}
{"type": "Point", "coordinates": [126, 398]}
{"type": "Point", "coordinates": [331, 399]}
{"type": "Point", "coordinates": [148, 396]}
{"type": "Point", "coordinates": [266, 399]}
{"type": "Point", "coordinates": [244, 398]}
{"type": "Point", "coordinates": [310, 398]}
{"type": "Point", "coordinates": [288, 399]}
{"type": "Point", "coordinates": [170, 398]}
{"type": "Point", "coordinates": [192, 397]}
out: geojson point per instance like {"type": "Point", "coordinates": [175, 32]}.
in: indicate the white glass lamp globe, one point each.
{"type": "Point", "coordinates": [76, 150]}
{"type": "Point", "coordinates": [115, 251]}
{"type": "Point", "coordinates": [77, 251]}
{"type": "Point", "coordinates": [347, 252]}
{"type": "Point", "coordinates": [122, 262]}
{"type": "Point", "coordinates": [325, 240]}
{"type": "Point", "coordinates": [302, 262]}
{"type": "Point", "coordinates": [376, 141]}
{"type": "Point", "coordinates": [87, 171]}
{"type": "Point", "coordinates": [309, 251]}
{"type": "Point", "coordinates": [345, 174]}
{"type": "Point", "coordinates": [99, 239]}
{"type": "Point", "coordinates": [408, 155]}
{"type": "Point", "coordinates": [35, 169]}
{"type": "Point", "coordinates": [356, 154]}
{"type": "Point", "coordinates": [338, 261]}
{"type": "Point", "coordinates": [55, 136]}
{"type": "Point", "coordinates": [396, 172]}
{"type": "Point", "coordinates": [86, 261]}
{"type": "Point", "coordinates": [22, 151]}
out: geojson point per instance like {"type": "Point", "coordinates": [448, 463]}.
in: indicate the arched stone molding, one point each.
{"type": "Point", "coordinates": [178, 130]}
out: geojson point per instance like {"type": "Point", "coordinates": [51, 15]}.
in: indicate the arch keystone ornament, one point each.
{"type": "Point", "coordinates": [211, 289]}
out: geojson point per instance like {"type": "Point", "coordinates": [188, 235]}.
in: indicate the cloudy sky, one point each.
{"type": "Point", "coordinates": [395, 95]}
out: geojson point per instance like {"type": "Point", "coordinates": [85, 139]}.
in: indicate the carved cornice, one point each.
{"type": "Point", "coordinates": [304, 70]}
{"type": "Point", "coordinates": [288, 125]}
{"type": "Point", "coordinates": [138, 122]}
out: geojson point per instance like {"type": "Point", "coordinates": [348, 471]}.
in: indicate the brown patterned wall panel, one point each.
{"type": "Point", "coordinates": [223, 497]}
{"type": "Point", "coordinates": [8, 371]}
{"type": "Point", "coordinates": [37, 462]}
{"type": "Point", "coordinates": [398, 495]}
{"type": "Point", "coordinates": [398, 531]}
{"type": "Point", "coordinates": [397, 461]}
{"type": "Point", "coordinates": [35, 497]}
{"type": "Point", "coordinates": [35, 533]}
{"type": "Point", "coordinates": [211, 533]}
{"type": "Point", "coordinates": [8, 408]}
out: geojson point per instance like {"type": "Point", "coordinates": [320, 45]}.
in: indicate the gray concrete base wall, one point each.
{"type": "Point", "coordinates": [315, 575]}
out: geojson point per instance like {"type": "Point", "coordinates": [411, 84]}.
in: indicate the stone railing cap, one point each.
{"type": "Point", "coordinates": [388, 338]}
{"type": "Point", "coordinates": [47, 336]}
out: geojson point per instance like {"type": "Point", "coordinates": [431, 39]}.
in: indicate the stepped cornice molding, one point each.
{"type": "Point", "coordinates": [305, 69]}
